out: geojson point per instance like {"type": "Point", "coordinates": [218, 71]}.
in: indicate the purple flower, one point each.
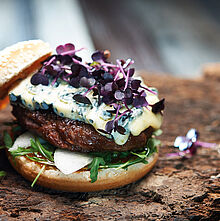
{"type": "Point", "coordinates": [186, 142]}
{"type": "Point", "coordinates": [189, 144]}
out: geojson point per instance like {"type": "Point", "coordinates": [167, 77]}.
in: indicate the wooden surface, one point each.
{"type": "Point", "coordinates": [174, 190]}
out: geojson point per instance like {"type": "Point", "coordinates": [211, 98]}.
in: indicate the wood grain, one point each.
{"type": "Point", "coordinates": [175, 189]}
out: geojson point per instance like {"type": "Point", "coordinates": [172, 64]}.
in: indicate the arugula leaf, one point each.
{"type": "Point", "coordinates": [36, 147]}
{"type": "Point", "coordinates": [2, 173]}
{"type": "Point", "coordinates": [16, 128]}
{"type": "Point", "coordinates": [7, 139]}
{"type": "Point", "coordinates": [44, 150]}
{"type": "Point", "coordinates": [36, 178]}
{"type": "Point", "coordinates": [102, 160]}
{"type": "Point", "coordinates": [20, 151]}
{"type": "Point", "coordinates": [157, 132]}
{"type": "Point", "coordinates": [152, 144]}
{"type": "Point", "coordinates": [141, 155]}
{"type": "Point", "coordinates": [37, 159]}
{"type": "Point", "coordinates": [94, 166]}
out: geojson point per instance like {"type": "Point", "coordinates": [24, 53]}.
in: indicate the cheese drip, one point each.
{"type": "Point", "coordinates": [60, 98]}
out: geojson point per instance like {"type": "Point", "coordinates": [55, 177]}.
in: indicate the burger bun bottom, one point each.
{"type": "Point", "coordinates": [80, 181]}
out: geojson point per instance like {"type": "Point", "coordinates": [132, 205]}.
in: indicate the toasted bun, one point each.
{"type": "Point", "coordinates": [80, 181]}
{"type": "Point", "coordinates": [19, 60]}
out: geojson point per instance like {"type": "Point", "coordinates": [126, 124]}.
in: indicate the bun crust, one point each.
{"type": "Point", "coordinates": [19, 60]}
{"type": "Point", "coordinates": [80, 181]}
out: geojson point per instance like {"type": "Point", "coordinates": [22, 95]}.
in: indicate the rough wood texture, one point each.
{"type": "Point", "coordinates": [174, 190]}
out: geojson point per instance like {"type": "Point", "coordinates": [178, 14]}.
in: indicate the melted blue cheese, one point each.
{"type": "Point", "coordinates": [60, 98]}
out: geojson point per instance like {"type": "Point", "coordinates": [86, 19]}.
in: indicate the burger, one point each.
{"type": "Point", "coordinates": [81, 126]}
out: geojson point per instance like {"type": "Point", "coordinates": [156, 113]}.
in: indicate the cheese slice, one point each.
{"type": "Point", "coordinates": [60, 98]}
{"type": "Point", "coordinates": [23, 141]}
{"type": "Point", "coordinates": [69, 162]}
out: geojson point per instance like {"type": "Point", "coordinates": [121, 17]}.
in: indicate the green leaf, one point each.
{"type": "Point", "coordinates": [16, 128]}
{"type": "Point", "coordinates": [7, 139]}
{"type": "Point", "coordinates": [34, 145]}
{"type": "Point", "coordinates": [152, 143]}
{"type": "Point", "coordinates": [131, 162]}
{"type": "Point", "coordinates": [94, 166]}
{"type": "Point", "coordinates": [2, 173]}
{"type": "Point", "coordinates": [20, 151]}
{"type": "Point", "coordinates": [2, 147]}
{"type": "Point", "coordinates": [157, 132]}
{"type": "Point", "coordinates": [36, 178]}
{"type": "Point", "coordinates": [44, 150]}
{"type": "Point", "coordinates": [141, 155]}
{"type": "Point", "coordinates": [37, 159]}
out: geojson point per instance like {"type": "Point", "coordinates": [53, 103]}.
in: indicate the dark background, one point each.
{"type": "Point", "coordinates": [168, 36]}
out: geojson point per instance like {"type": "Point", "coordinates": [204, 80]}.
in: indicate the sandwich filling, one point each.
{"type": "Point", "coordinates": [100, 93]}
{"type": "Point", "coordinates": [59, 97]}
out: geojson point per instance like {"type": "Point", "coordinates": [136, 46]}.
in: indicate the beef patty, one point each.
{"type": "Point", "coordinates": [72, 134]}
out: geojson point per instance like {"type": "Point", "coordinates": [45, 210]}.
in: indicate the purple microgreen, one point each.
{"type": "Point", "coordinates": [151, 91]}
{"type": "Point", "coordinates": [103, 131]}
{"type": "Point", "coordinates": [87, 82]}
{"type": "Point", "coordinates": [54, 80]}
{"type": "Point", "coordinates": [83, 72]}
{"type": "Point", "coordinates": [158, 107]}
{"type": "Point", "coordinates": [80, 62]}
{"type": "Point", "coordinates": [140, 101]}
{"type": "Point", "coordinates": [117, 112]}
{"type": "Point", "coordinates": [125, 112]}
{"type": "Point", "coordinates": [116, 76]}
{"type": "Point", "coordinates": [119, 95]}
{"type": "Point", "coordinates": [108, 99]}
{"type": "Point", "coordinates": [51, 60]}
{"type": "Point", "coordinates": [81, 99]}
{"type": "Point", "coordinates": [109, 65]}
{"type": "Point", "coordinates": [120, 67]}
{"type": "Point", "coordinates": [108, 77]}
{"type": "Point", "coordinates": [74, 82]}
{"type": "Point", "coordinates": [131, 72]}
{"type": "Point", "coordinates": [128, 101]}
{"type": "Point", "coordinates": [37, 79]}
{"type": "Point", "coordinates": [65, 49]}
{"type": "Point", "coordinates": [97, 56]}
{"type": "Point", "coordinates": [77, 58]}
{"type": "Point", "coordinates": [135, 84]}
{"type": "Point", "coordinates": [94, 91]}
{"type": "Point", "coordinates": [112, 111]}
{"type": "Point", "coordinates": [127, 78]}
{"type": "Point", "coordinates": [120, 129]}
{"type": "Point", "coordinates": [126, 64]}
{"type": "Point", "coordinates": [112, 83]}
{"type": "Point", "coordinates": [128, 93]}
{"type": "Point", "coordinates": [75, 68]}
{"type": "Point", "coordinates": [109, 126]}
{"type": "Point", "coordinates": [108, 87]}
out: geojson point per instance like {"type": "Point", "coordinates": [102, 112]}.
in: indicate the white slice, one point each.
{"type": "Point", "coordinates": [23, 140]}
{"type": "Point", "coordinates": [69, 162]}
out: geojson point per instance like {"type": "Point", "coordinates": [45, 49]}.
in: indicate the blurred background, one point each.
{"type": "Point", "coordinates": [162, 36]}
